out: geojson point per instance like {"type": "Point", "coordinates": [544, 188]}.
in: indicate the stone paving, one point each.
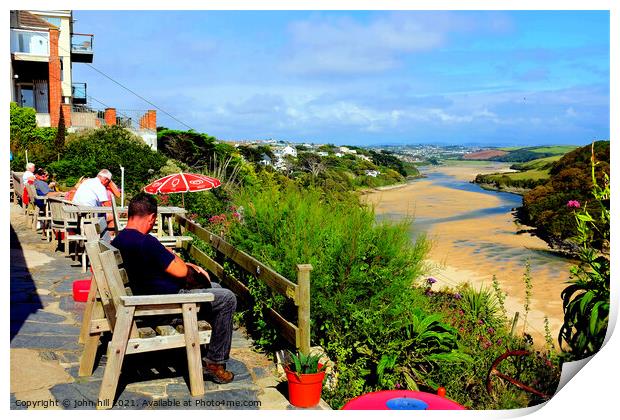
{"type": "Point", "coordinates": [45, 324]}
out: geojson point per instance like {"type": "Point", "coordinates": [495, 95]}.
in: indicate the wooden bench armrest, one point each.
{"type": "Point", "coordinates": [166, 299]}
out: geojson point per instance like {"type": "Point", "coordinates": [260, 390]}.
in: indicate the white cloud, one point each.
{"type": "Point", "coordinates": [342, 46]}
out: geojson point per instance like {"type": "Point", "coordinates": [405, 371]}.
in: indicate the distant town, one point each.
{"type": "Point", "coordinates": [415, 154]}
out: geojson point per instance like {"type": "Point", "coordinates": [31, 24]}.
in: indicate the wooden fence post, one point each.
{"type": "Point", "coordinates": [303, 310]}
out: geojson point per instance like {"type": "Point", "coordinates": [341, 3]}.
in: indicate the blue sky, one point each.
{"type": "Point", "coordinates": [353, 77]}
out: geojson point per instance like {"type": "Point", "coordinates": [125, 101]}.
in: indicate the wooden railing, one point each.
{"type": "Point", "coordinates": [298, 335]}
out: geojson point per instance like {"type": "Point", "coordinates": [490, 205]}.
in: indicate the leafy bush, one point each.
{"type": "Point", "coordinates": [365, 311]}
{"type": "Point", "coordinates": [545, 206]}
{"type": "Point", "coordinates": [202, 153]}
{"type": "Point", "coordinates": [388, 159]}
{"type": "Point", "coordinates": [88, 152]}
{"type": "Point", "coordinates": [586, 299]}
{"type": "Point", "coordinates": [42, 143]}
{"type": "Point", "coordinates": [484, 335]}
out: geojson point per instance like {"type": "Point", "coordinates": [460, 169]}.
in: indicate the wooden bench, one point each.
{"type": "Point", "coordinates": [12, 195]}
{"type": "Point", "coordinates": [174, 241]}
{"type": "Point", "coordinates": [112, 308]}
{"type": "Point", "coordinates": [18, 187]}
{"type": "Point", "coordinates": [64, 224]}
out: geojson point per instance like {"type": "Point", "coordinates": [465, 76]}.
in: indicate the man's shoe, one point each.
{"type": "Point", "coordinates": [217, 373]}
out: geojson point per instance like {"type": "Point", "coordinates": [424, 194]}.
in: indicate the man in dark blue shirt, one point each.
{"type": "Point", "coordinates": [153, 269]}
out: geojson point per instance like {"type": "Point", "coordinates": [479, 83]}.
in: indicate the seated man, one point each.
{"type": "Point", "coordinates": [153, 269]}
{"type": "Point", "coordinates": [43, 189]}
{"type": "Point", "coordinates": [93, 192]}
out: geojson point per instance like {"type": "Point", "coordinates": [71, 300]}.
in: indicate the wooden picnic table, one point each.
{"type": "Point", "coordinates": [164, 214]}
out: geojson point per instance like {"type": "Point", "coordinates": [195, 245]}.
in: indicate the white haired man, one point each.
{"type": "Point", "coordinates": [93, 192]}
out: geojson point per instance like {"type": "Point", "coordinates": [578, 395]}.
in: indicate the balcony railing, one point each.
{"type": "Point", "coordinates": [82, 48]}
{"type": "Point", "coordinates": [78, 92]}
{"type": "Point", "coordinates": [82, 43]}
{"type": "Point", "coordinates": [30, 42]}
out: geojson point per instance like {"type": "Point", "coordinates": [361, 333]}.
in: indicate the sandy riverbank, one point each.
{"type": "Point", "coordinates": [474, 249]}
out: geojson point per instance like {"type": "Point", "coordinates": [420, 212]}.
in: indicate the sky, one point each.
{"type": "Point", "coordinates": [358, 77]}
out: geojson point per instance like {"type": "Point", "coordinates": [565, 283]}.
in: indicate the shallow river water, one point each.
{"type": "Point", "coordinates": [474, 236]}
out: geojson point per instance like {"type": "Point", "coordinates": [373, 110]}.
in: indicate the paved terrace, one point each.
{"type": "Point", "coordinates": [45, 325]}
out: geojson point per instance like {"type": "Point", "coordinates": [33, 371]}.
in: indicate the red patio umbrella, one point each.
{"type": "Point", "coordinates": [182, 183]}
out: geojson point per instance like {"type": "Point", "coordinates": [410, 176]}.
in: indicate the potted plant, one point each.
{"type": "Point", "coordinates": [305, 379]}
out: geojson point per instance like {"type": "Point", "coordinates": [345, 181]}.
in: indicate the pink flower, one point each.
{"type": "Point", "coordinates": [573, 204]}
{"type": "Point", "coordinates": [217, 219]}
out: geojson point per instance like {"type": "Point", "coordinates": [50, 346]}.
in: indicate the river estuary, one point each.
{"type": "Point", "coordinates": [474, 236]}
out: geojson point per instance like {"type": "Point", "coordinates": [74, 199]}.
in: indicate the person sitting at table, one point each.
{"type": "Point", "coordinates": [29, 173]}
{"type": "Point", "coordinates": [27, 178]}
{"type": "Point", "coordinates": [93, 192]}
{"type": "Point", "coordinates": [154, 269]}
{"type": "Point", "coordinates": [43, 189]}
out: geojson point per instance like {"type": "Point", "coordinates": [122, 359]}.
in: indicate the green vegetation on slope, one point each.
{"type": "Point", "coordinates": [526, 154]}
{"type": "Point", "coordinates": [542, 164]}
{"type": "Point", "coordinates": [556, 150]}
{"type": "Point", "coordinates": [513, 180]}
{"type": "Point", "coordinates": [545, 207]}
{"type": "Point", "coordinates": [530, 174]}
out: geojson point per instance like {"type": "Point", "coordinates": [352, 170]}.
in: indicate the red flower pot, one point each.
{"type": "Point", "coordinates": [304, 390]}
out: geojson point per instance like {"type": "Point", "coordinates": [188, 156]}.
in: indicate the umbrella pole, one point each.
{"type": "Point", "coordinates": [183, 199]}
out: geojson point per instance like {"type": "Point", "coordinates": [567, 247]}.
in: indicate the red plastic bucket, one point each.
{"type": "Point", "coordinates": [304, 390]}
{"type": "Point", "coordinates": [81, 289]}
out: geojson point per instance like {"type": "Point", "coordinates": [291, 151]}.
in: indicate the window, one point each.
{"type": "Point", "coordinates": [52, 20]}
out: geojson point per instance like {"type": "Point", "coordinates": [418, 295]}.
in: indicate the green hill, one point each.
{"type": "Point", "coordinates": [526, 154]}
{"type": "Point", "coordinates": [541, 164]}
{"type": "Point", "coordinates": [530, 173]}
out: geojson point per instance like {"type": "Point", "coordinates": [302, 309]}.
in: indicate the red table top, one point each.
{"type": "Point", "coordinates": [377, 400]}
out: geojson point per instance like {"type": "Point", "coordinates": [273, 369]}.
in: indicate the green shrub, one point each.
{"type": "Point", "coordinates": [545, 207]}
{"type": "Point", "coordinates": [586, 299]}
{"type": "Point", "coordinates": [484, 335]}
{"type": "Point", "coordinates": [42, 143]}
{"type": "Point", "coordinates": [365, 312]}
{"type": "Point", "coordinates": [109, 147]}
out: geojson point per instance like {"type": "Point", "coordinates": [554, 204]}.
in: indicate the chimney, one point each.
{"type": "Point", "coordinates": [110, 116]}
{"type": "Point", "coordinates": [151, 118]}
